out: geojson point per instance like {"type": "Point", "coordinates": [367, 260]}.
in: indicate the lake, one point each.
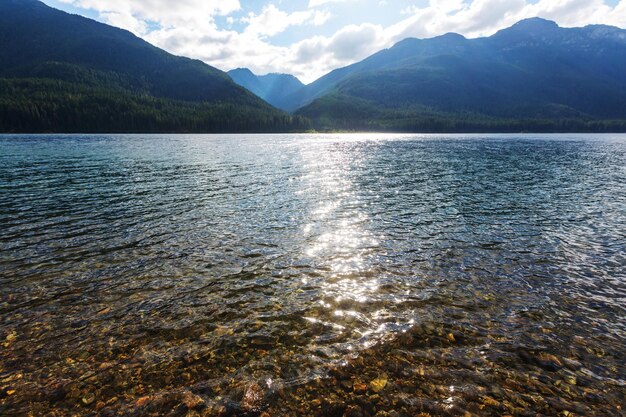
{"type": "Point", "coordinates": [292, 275]}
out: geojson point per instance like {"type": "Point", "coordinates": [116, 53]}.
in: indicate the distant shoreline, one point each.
{"type": "Point", "coordinates": [334, 132]}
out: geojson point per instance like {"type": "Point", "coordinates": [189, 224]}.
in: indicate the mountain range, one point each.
{"type": "Point", "coordinates": [65, 73]}
{"type": "Point", "coordinates": [534, 75]}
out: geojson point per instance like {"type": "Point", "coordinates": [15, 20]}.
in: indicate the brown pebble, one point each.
{"type": "Point", "coordinates": [142, 401]}
{"type": "Point", "coordinates": [88, 398]}
{"type": "Point", "coordinates": [253, 398]}
{"type": "Point", "coordinates": [192, 400]}
{"type": "Point", "coordinates": [359, 388]}
{"type": "Point", "coordinates": [490, 401]}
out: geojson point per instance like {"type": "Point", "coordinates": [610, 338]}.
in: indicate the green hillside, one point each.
{"type": "Point", "coordinates": [66, 73]}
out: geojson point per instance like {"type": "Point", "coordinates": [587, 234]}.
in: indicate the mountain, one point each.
{"type": "Point", "coordinates": [534, 75]}
{"type": "Point", "coordinates": [273, 88]}
{"type": "Point", "coordinates": [65, 73]}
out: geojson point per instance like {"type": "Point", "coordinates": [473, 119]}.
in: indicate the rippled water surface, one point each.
{"type": "Point", "coordinates": [312, 275]}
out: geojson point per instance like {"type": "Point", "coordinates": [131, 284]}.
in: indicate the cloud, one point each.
{"type": "Point", "coordinates": [135, 14]}
{"type": "Point", "coordinates": [485, 17]}
{"type": "Point", "coordinates": [317, 3]}
{"type": "Point", "coordinates": [473, 19]}
{"type": "Point", "coordinates": [189, 28]}
{"type": "Point", "coordinates": [272, 21]}
{"type": "Point", "coordinates": [578, 12]}
{"type": "Point", "coordinates": [314, 57]}
{"type": "Point", "coordinates": [126, 21]}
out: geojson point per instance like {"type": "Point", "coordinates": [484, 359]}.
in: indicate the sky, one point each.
{"type": "Point", "coordinates": [309, 38]}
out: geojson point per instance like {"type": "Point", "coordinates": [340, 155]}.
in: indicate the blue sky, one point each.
{"type": "Point", "coordinates": [308, 38]}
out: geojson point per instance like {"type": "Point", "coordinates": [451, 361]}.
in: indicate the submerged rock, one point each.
{"type": "Point", "coordinates": [253, 398]}
{"type": "Point", "coordinates": [192, 400]}
{"type": "Point", "coordinates": [359, 388]}
{"type": "Point", "coordinates": [88, 398]}
{"type": "Point", "coordinates": [141, 402]}
{"type": "Point", "coordinates": [379, 383]}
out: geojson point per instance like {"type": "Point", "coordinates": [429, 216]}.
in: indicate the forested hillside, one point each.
{"type": "Point", "coordinates": [65, 73]}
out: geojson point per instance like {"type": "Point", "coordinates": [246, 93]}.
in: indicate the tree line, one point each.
{"type": "Point", "coordinates": [47, 106]}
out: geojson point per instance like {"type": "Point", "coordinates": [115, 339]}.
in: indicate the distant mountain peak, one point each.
{"type": "Point", "coordinates": [447, 37]}
{"type": "Point", "coordinates": [272, 87]}
{"type": "Point", "coordinates": [534, 27]}
{"type": "Point", "coordinates": [453, 36]}
{"type": "Point", "coordinates": [536, 23]}
{"type": "Point", "coordinates": [241, 71]}
{"type": "Point", "coordinates": [248, 72]}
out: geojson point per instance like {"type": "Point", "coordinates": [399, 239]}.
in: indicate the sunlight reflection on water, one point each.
{"type": "Point", "coordinates": [345, 245]}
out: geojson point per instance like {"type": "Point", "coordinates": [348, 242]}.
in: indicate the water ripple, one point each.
{"type": "Point", "coordinates": [277, 257]}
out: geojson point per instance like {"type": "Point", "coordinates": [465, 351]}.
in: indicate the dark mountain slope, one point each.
{"type": "Point", "coordinates": [533, 74]}
{"type": "Point", "coordinates": [46, 53]}
{"type": "Point", "coordinates": [273, 88]}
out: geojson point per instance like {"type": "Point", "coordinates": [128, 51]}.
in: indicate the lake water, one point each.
{"type": "Point", "coordinates": [358, 275]}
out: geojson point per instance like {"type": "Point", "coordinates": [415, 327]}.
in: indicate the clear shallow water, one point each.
{"type": "Point", "coordinates": [137, 270]}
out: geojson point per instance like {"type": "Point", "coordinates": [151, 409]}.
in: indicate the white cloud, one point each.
{"type": "Point", "coordinates": [188, 27]}
{"type": "Point", "coordinates": [317, 3]}
{"type": "Point", "coordinates": [314, 57]}
{"type": "Point", "coordinates": [578, 12]}
{"type": "Point", "coordinates": [475, 19]}
{"type": "Point", "coordinates": [126, 21]}
{"type": "Point", "coordinates": [485, 17]}
{"type": "Point", "coordinates": [272, 21]}
{"type": "Point", "coordinates": [165, 13]}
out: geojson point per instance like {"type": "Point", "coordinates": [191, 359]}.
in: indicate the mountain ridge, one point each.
{"type": "Point", "coordinates": [534, 70]}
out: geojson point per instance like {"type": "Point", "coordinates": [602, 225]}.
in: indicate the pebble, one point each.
{"type": "Point", "coordinates": [192, 400]}
{"type": "Point", "coordinates": [359, 387]}
{"type": "Point", "coordinates": [142, 401]}
{"type": "Point", "coordinates": [89, 398]}
{"type": "Point", "coordinates": [253, 398]}
{"type": "Point", "coordinates": [379, 383]}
